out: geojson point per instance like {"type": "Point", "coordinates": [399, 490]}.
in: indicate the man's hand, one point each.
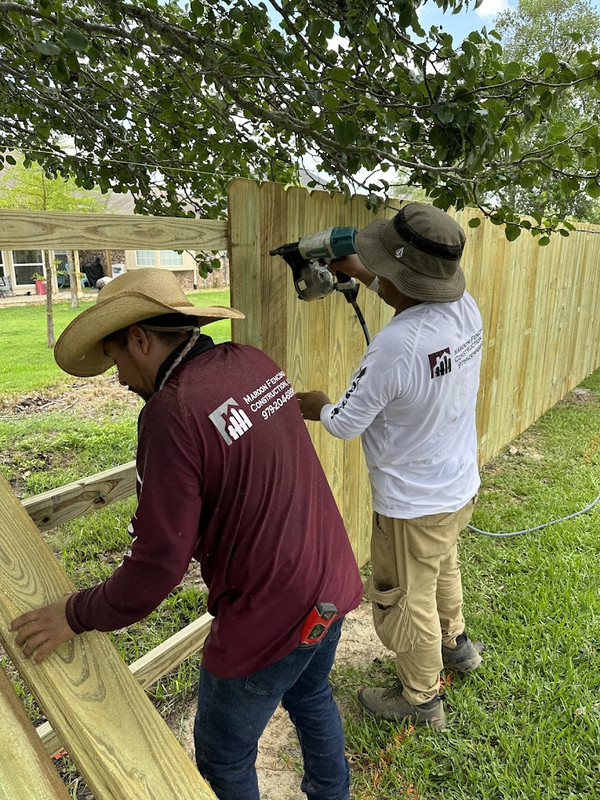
{"type": "Point", "coordinates": [311, 404]}
{"type": "Point", "coordinates": [43, 629]}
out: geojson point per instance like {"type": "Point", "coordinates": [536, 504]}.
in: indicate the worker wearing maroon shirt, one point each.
{"type": "Point", "coordinates": [227, 475]}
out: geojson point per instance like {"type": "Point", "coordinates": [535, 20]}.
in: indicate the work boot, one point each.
{"type": "Point", "coordinates": [390, 704]}
{"type": "Point", "coordinates": [465, 657]}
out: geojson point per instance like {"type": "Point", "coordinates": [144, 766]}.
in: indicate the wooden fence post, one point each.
{"type": "Point", "coordinates": [120, 744]}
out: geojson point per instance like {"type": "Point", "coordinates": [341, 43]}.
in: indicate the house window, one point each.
{"type": "Point", "coordinates": [166, 258]}
{"type": "Point", "coordinates": [27, 263]}
{"type": "Point", "coordinates": [144, 258]}
{"type": "Point", "coordinates": [169, 258]}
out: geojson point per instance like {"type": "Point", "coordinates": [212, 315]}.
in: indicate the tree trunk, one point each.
{"type": "Point", "coordinates": [74, 278]}
{"type": "Point", "coordinates": [49, 255]}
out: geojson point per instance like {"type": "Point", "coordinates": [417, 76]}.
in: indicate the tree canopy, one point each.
{"type": "Point", "coordinates": [30, 188]}
{"type": "Point", "coordinates": [169, 100]}
{"type": "Point", "coordinates": [532, 28]}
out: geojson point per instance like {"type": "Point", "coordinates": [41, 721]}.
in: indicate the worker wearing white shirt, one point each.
{"type": "Point", "coordinates": [412, 399]}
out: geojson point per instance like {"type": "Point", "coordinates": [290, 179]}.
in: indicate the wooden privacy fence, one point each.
{"type": "Point", "coordinates": [541, 328]}
{"type": "Point", "coordinates": [540, 309]}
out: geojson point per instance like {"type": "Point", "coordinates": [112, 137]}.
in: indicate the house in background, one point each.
{"type": "Point", "coordinates": [19, 268]}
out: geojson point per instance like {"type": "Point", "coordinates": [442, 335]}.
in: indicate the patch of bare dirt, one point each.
{"type": "Point", "coordinates": [86, 397]}
{"type": "Point", "coordinates": [279, 762]}
{"type": "Point", "coordinates": [580, 396]}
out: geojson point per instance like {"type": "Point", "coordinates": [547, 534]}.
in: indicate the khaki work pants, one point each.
{"type": "Point", "coordinates": [416, 592]}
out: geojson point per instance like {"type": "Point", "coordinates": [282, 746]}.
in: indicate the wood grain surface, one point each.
{"type": "Point", "coordinates": [81, 497]}
{"type": "Point", "coordinates": [150, 667]}
{"type": "Point", "coordinates": [26, 771]}
{"type": "Point", "coordinates": [540, 308]}
{"type": "Point", "coordinates": [121, 746]}
{"type": "Point", "coordinates": [48, 230]}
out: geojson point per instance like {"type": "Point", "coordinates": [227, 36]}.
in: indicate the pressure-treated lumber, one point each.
{"type": "Point", "coordinates": [120, 744]}
{"type": "Point", "coordinates": [81, 497]}
{"type": "Point", "coordinates": [320, 343]}
{"type": "Point", "coordinates": [27, 230]}
{"type": "Point", "coordinates": [150, 667]}
{"type": "Point", "coordinates": [540, 308]}
{"type": "Point", "coordinates": [26, 772]}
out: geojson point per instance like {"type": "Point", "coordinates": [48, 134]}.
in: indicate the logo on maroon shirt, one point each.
{"type": "Point", "coordinates": [230, 420]}
{"type": "Point", "coordinates": [440, 363]}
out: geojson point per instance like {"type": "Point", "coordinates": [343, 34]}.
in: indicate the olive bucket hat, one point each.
{"type": "Point", "coordinates": [132, 297]}
{"type": "Point", "coordinates": [418, 250]}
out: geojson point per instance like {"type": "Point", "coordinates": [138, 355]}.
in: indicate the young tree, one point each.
{"type": "Point", "coordinates": [568, 29]}
{"type": "Point", "coordinates": [182, 96]}
{"type": "Point", "coordinates": [30, 188]}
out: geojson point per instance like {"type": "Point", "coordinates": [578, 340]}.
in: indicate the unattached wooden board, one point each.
{"type": "Point", "coordinates": [120, 744]}
{"type": "Point", "coordinates": [151, 666]}
{"type": "Point", "coordinates": [26, 772]}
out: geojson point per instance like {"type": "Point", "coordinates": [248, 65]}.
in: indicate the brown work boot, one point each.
{"type": "Point", "coordinates": [390, 704]}
{"type": "Point", "coordinates": [465, 657]}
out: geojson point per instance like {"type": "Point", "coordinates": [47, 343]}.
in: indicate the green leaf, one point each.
{"type": "Point", "coordinates": [339, 74]}
{"type": "Point", "coordinates": [47, 48]}
{"type": "Point", "coordinates": [475, 222]}
{"type": "Point", "coordinates": [592, 188]}
{"type": "Point", "coordinates": [75, 40]}
{"type": "Point", "coordinates": [512, 232]}
{"type": "Point", "coordinates": [548, 61]}
{"type": "Point", "coordinates": [443, 113]}
{"type": "Point", "coordinates": [569, 185]}
{"type": "Point", "coordinates": [331, 101]}
{"type": "Point", "coordinates": [544, 240]}
{"type": "Point", "coordinates": [346, 131]}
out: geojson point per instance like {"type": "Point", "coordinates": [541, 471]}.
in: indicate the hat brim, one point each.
{"type": "Point", "coordinates": [79, 351]}
{"type": "Point", "coordinates": [380, 262]}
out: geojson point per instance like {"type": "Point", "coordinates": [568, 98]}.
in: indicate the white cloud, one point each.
{"type": "Point", "coordinates": [490, 8]}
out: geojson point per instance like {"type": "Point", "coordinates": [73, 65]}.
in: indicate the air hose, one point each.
{"type": "Point", "coordinates": [537, 527]}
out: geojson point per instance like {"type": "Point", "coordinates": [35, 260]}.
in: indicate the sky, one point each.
{"type": "Point", "coordinates": [460, 25]}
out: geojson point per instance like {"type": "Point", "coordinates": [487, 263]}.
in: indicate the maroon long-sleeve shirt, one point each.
{"type": "Point", "coordinates": [227, 474]}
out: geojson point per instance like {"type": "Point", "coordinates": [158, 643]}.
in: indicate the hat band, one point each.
{"type": "Point", "coordinates": [449, 252]}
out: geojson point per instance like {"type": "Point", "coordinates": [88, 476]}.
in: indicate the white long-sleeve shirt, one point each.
{"type": "Point", "coordinates": [413, 400]}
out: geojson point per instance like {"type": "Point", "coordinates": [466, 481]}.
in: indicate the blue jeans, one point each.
{"type": "Point", "coordinates": [233, 713]}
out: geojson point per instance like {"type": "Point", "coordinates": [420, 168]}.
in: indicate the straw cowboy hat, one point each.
{"type": "Point", "coordinates": [418, 250]}
{"type": "Point", "coordinates": [129, 298]}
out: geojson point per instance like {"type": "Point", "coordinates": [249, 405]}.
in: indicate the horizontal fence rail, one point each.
{"type": "Point", "coordinates": [48, 230]}
{"type": "Point", "coordinates": [82, 497]}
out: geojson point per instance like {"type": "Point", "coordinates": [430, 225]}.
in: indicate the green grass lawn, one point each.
{"type": "Point", "coordinates": [525, 725]}
{"type": "Point", "coordinates": [28, 364]}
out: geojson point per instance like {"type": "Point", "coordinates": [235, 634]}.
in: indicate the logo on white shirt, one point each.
{"type": "Point", "coordinates": [230, 420]}
{"type": "Point", "coordinates": [349, 392]}
{"type": "Point", "coordinates": [440, 363]}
